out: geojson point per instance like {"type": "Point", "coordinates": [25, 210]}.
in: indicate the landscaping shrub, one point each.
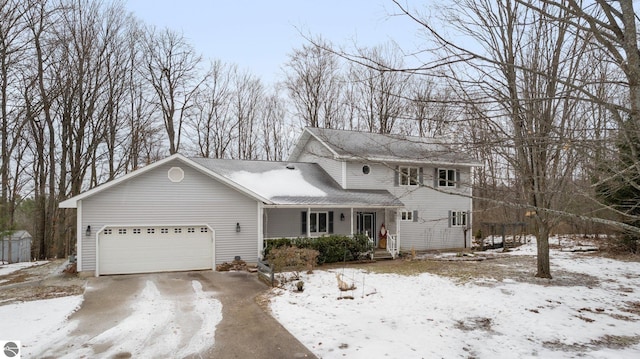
{"type": "Point", "coordinates": [292, 259]}
{"type": "Point", "coordinates": [331, 249]}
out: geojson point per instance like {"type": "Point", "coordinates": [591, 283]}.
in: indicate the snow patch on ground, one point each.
{"type": "Point", "coordinates": [431, 316]}
{"type": "Point", "coordinates": [33, 322]}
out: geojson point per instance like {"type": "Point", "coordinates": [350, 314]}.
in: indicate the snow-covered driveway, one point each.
{"type": "Point", "coordinates": [151, 316]}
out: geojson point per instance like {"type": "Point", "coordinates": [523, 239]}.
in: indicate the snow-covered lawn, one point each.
{"type": "Point", "coordinates": [390, 315]}
{"type": "Point", "coordinates": [32, 323]}
{"type": "Point", "coordinates": [430, 316]}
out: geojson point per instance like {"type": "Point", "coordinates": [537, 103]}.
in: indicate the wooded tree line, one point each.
{"type": "Point", "coordinates": [545, 93]}
{"type": "Point", "coordinates": [88, 93]}
{"type": "Point", "coordinates": [549, 94]}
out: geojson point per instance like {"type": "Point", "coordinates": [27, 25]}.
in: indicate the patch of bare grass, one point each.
{"type": "Point", "coordinates": [606, 341]}
{"type": "Point", "coordinates": [518, 268]}
{"type": "Point", "coordinates": [39, 282]}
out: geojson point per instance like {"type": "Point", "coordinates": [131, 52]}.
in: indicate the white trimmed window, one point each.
{"type": "Point", "coordinates": [107, 231]}
{"type": "Point", "coordinates": [457, 218]}
{"type": "Point", "coordinates": [122, 231]}
{"type": "Point", "coordinates": [408, 176]}
{"type": "Point", "coordinates": [408, 216]}
{"type": "Point", "coordinates": [164, 230]}
{"type": "Point", "coordinates": [319, 223]}
{"type": "Point", "coordinates": [177, 230]}
{"type": "Point", "coordinates": [136, 231]}
{"type": "Point", "coordinates": [447, 177]}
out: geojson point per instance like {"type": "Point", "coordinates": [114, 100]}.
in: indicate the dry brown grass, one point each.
{"type": "Point", "coordinates": [496, 267]}
{"type": "Point", "coordinates": [39, 282]}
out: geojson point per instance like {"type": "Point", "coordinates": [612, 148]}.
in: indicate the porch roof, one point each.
{"type": "Point", "coordinates": [296, 184]}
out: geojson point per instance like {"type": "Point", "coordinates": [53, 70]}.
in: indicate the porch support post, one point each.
{"type": "Point", "coordinates": [351, 221]}
{"type": "Point", "coordinates": [261, 224]}
{"type": "Point", "coordinates": [308, 222]}
{"type": "Point", "coordinates": [398, 230]}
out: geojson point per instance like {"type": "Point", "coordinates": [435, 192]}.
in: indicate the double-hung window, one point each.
{"type": "Point", "coordinates": [408, 176]}
{"type": "Point", "coordinates": [447, 177]}
{"type": "Point", "coordinates": [457, 218]}
{"type": "Point", "coordinates": [319, 223]}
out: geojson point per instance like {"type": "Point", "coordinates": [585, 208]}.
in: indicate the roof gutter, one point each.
{"type": "Point", "coordinates": [400, 160]}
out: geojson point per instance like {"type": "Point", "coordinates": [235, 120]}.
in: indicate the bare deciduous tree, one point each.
{"type": "Point", "coordinates": [378, 94]}
{"type": "Point", "coordinates": [171, 67]}
{"type": "Point", "coordinates": [313, 82]}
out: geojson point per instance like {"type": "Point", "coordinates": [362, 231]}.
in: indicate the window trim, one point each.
{"type": "Point", "coordinates": [329, 223]}
{"type": "Point", "coordinates": [409, 215]}
{"type": "Point", "coordinates": [317, 214]}
{"type": "Point", "coordinates": [406, 176]}
{"type": "Point", "coordinates": [456, 217]}
{"type": "Point", "coordinates": [448, 182]}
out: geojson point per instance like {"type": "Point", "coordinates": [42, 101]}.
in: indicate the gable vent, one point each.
{"type": "Point", "coordinates": [175, 174]}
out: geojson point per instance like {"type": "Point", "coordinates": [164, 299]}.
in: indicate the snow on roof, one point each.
{"type": "Point", "coordinates": [295, 184]}
{"type": "Point", "coordinates": [278, 182]}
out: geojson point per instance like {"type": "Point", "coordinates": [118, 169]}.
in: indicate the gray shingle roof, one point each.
{"type": "Point", "coordinates": [298, 184]}
{"type": "Point", "coordinates": [389, 147]}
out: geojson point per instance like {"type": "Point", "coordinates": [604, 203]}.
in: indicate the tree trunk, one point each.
{"type": "Point", "coordinates": [544, 267]}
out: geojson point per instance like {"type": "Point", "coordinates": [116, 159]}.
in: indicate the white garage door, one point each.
{"type": "Point", "coordinates": [123, 250]}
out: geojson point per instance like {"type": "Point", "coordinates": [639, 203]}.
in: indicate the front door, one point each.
{"type": "Point", "coordinates": [367, 225]}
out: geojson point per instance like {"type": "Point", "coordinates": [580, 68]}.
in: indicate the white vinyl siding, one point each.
{"type": "Point", "coordinates": [315, 152]}
{"type": "Point", "coordinates": [379, 176]}
{"type": "Point", "coordinates": [152, 199]}
{"type": "Point", "coordinates": [432, 230]}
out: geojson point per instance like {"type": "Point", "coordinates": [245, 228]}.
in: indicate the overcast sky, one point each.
{"type": "Point", "coordinates": [257, 35]}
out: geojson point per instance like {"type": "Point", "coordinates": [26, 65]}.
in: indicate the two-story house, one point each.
{"type": "Point", "coordinates": [193, 213]}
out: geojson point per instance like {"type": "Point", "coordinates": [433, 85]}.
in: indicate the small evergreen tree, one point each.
{"type": "Point", "coordinates": [620, 189]}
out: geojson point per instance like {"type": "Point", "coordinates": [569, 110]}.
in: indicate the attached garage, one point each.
{"type": "Point", "coordinates": [145, 249]}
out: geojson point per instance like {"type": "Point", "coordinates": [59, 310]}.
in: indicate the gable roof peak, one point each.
{"type": "Point", "coordinates": [368, 146]}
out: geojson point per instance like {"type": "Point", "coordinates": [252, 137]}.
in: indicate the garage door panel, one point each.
{"type": "Point", "coordinates": [142, 252]}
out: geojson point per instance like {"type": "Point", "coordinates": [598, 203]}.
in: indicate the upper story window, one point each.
{"type": "Point", "coordinates": [366, 169]}
{"type": "Point", "coordinates": [447, 177]}
{"type": "Point", "coordinates": [408, 176]}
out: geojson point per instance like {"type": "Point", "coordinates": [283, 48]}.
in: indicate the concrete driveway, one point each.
{"type": "Point", "coordinates": [174, 315]}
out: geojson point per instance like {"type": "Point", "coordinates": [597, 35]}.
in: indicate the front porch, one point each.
{"type": "Point", "coordinates": [313, 222]}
